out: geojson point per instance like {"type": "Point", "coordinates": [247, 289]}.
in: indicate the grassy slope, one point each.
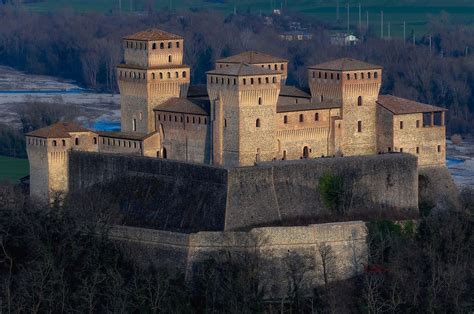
{"type": "Point", "coordinates": [13, 169]}
{"type": "Point", "coordinates": [414, 12]}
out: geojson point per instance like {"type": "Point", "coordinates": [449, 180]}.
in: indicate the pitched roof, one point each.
{"type": "Point", "coordinates": [135, 136]}
{"type": "Point", "coordinates": [182, 105]}
{"type": "Point", "coordinates": [243, 69]}
{"type": "Point", "coordinates": [345, 64]}
{"type": "Point", "coordinates": [306, 107]}
{"type": "Point", "coordinates": [58, 130]}
{"type": "Point", "coordinates": [152, 34]}
{"type": "Point", "coordinates": [293, 91]}
{"type": "Point", "coordinates": [398, 105]}
{"type": "Point", "coordinates": [251, 57]}
{"type": "Point", "coordinates": [199, 90]}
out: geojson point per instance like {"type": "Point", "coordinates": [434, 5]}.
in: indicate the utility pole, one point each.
{"type": "Point", "coordinates": [404, 31]}
{"type": "Point", "coordinates": [348, 18]}
{"type": "Point", "coordinates": [360, 17]}
{"type": "Point", "coordinates": [381, 24]}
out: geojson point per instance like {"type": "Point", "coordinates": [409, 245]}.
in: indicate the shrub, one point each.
{"type": "Point", "coordinates": [331, 188]}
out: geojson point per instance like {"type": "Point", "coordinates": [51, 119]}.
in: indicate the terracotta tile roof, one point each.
{"type": "Point", "coordinates": [199, 90]}
{"type": "Point", "coordinates": [58, 130]}
{"type": "Point", "coordinates": [293, 91]}
{"type": "Point", "coordinates": [252, 57]}
{"type": "Point", "coordinates": [398, 105]}
{"type": "Point", "coordinates": [198, 106]}
{"type": "Point", "coordinates": [153, 34]}
{"type": "Point", "coordinates": [134, 136]}
{"type": "Point", "coordinates": [345, 64]}
{"type": "Point", "coordinates": [306, 107]}
{"type": "Point", "coordinates": [243, 69]}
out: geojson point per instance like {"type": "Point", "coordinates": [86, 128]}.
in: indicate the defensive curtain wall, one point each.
{"type": "Point", "coordinates": [274, 250]}
{"type": "Point", "coordinates": [206, 198]}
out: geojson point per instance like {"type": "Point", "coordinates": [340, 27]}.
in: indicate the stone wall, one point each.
{"type": "Point", "coordinates": [278, 249]}
{"type": "Point", "coordinates": [210, 198]}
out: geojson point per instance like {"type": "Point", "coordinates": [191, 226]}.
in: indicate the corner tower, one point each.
{"type": "Point", "coordinates": [354, 86]}
{"type": "Point", "coordinates": [243, 114]}
{"type": "Point", "coordinates": [153, 72]}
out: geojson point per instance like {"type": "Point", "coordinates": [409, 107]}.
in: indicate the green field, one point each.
{"type": "Point", "coordinates": [414, 12]}
{"type": "Point", "coordinates": [12, 169]}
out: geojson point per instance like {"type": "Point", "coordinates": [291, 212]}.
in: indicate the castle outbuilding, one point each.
{"type": "Point", "coordinates": [243, 116]}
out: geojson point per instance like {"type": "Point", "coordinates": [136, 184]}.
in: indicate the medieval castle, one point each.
{"type": "Point", "coordinates": [244, 115]}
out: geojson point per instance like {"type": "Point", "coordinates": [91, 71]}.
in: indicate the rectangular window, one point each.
{"type": "Point", "coordinates": [417, 150]}
{"type": "Point", "coordinates": [401, 150]}
{"type": "Point", "coordinates": [401, 125]}
{"type": "Point", "coordinates": [134, 124]}
{"type": "Point", "coordinates": [417, 123]}
{"type": "Point", "coordinates": [359, 126]}
{"type": "Point", "coordinates": [285, 119]}
{"type": "Point", "coordinates": [316, 116]}
{"type": "Point", "coordinates": [439, 148]}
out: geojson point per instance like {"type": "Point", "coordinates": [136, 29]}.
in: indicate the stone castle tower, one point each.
{"type": "Point", "coordinates": [153, 73]}
{"type": "Point", "coordinates": [354, 86]}
{"type": "Point", "coordinates": [243, 112]}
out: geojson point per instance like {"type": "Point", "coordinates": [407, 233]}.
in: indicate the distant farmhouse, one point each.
{"type": "Point", "coordinates": [296, 35]}
{"type": "Point", "coordinates": [243, 116]}
{"type": "Point", "coordinates": [344, 39]}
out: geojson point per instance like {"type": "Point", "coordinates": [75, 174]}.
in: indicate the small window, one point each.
{"type": "Point", "coordinates": [401, 150]}
{"type": "Point", "coordinates": [153, 46]}
{"type": "Point", "coordinates": [259, 80]}
{"type": "Point", "coordinates": [225, 123]}
{"type": "Point", "coordinates": [235, 81]}
{"type": "Point", "coordinates": [162, 46]}
{"type": "Point", "coordinates": [274, 79]}
{"type": "Point", "coordinates": [276, 67]}
{"type": "Point", "coordinates": [267, 80]}
{"type": "Point", "coordinates": [316, 116]}
{"type": "Point", "coordinates": [259, 100]}
{"type": "Point", "coordinates": [177, 44]}
{"type": "Point", "coordinates": [417, 150]}
{"type": "Point", "coordinates": [368, 75]}
{"type": "Point", "coordinates": [439, 148]}
{"type": "Point", "coordinates": [321, 98]}
{"type": "Point", "coordinates": [417, 123]}
{"type": "Point", "coordinates": [64, 142]}
{"type": "Point", "coordinates": [194, 120]}
{"type": "Point", "coordinates": [251, 81]}
{"type": "Point", "coordinates": [314, 74]}
{"type": "Point", "coordinates": [355, 76]}
{"type": "Point", "coordinates": [187, 119]}
{"type": "Point", "coordinates": [376, 75]}
{"type": "Point", "coordinates": [184, 74]}
{"type": "Point", "coordinates": [325, 75]}
{"type": "Point", "coordinates": [319, 75]}
{"type": "Point", "coordinates": [257, 123]}
{"type": "Point", "coordinates": [359, 101]}
{"type": "Point", "coordinates": [301, 118]}
{"type": "Point", "coordinates": [338, 76]}
{"type": "Point", "coordinates": [170, 58]}
{"type": "Point", "coordinates": [76, 141]}
{"type": "Point", "coordinates": [134, 124]}
{"type": "Point", "coordinates": [282, 67]}
{"type": "Point", "coordinates": [244, 81]}
{"type": "Point", "coordinates": [161, 76]}
{"type": "Point", "coordinates": [332, 76]}
{"type": "Point", "coordinates": [389, 149]}
{"type": "Point", "coordinates": [362, 75]}
{"type": "Point", "coordinates": [170, 45]}
{"type": "Point", "coordinates": [94, 140]}
{"type": "Point", "coordinates": [285, 119]}
{"type": "Point", "coordinates": [176, 74]}
{"type": "Point", "coordinates": [153, 75]}
{"type": "Point", "coordinates": [55, 143]}
{"type": "Point", "coordinates": [359, 126]}
{"type": "Point", "coordinates": [348, 76]}
{"type": "Point", "coordinates": [401, 125]}
{"type": "Point", "coordinates": [168, 75]}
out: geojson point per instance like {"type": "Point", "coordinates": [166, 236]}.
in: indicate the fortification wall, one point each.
{"type": "Point", "coordinates": [289, 190]}
{"type": "Point", "coordinates": [276, 248]}
{"type": "Point", "coordinates": [199, 197]}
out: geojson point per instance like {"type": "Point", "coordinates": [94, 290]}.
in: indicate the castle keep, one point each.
{"type": "Point", "coordinates": [244, 115]}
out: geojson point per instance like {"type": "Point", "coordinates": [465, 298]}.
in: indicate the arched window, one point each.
{"type": "Point", "coordinates": [251, 81]}
{"type": "Point", "coordinates": [305, 152]}
{"type": "Point", "coordinates": [177, 44]}
{"type": "Point", "coordinates": [245, 81]}
{"type": "Point", "coordinates": [301, 118]}
{"type": "Point", "coordinates": [332, 76]}
{"type": "Point", "coordinates": [162, 46]}
{"type": "Point", "coordinates": [348, 76]}
{"type": "Point", "coordinates": [355, 76]}
{"type": "Point", "coordinates": [235, 81]}
{"type": "Point", "coordinates": [259, 100]}
{"type": "Point", "coordinates": [55, 143]}
{"type": "Point", "coordinates": [359, 126]}
{"type": "Point", "coordinates": [319, 74]}
{"type": "Point", "coordinates": [161, 76]}
{"type": "Point", "coordinates": [259, 80]}
{"type": "Point", "coordinates": [64, 142]}
{"type": "Point", "coordinates": [285, 119]}
{"type": "Point", "coordinates": [257, 123]}
{"type": "Point", "coordinates": [282, 67]}
{"type": "Point", "coordinates": [170, 58]}
{"type": "Point", "coordinates": [321, 98]}
{"type": "Point", "coordinates": [212, 80]}
{"type": "Point", "coordinates": [276, 67]}
{"type": "Point", "coordinates": [153, 46]}
{"type": "Point", "coordinates": [168, 75]}
{"type": "Point", "coordinates": [164, 153]}
{"type": "Point", "coordinates": [170, 45]}
{"type": "Point", "coordinates": [274, 79]}
{"type": "Point", "coordinates": [359, 101]}
{"type": "Point", "coordinates": [176, 74]}
{"type": "Point", "coordinates": [316, 116]}
{"type": "Point", "coordinates": [184, 74]}
{"type": "Point", "coordinates": [376, 75]}
{"type": "Point", "coordinates": [76, 141]}
{"type": "Point", "coordinates": [153, 75]}
{"type": "Point", "coordinates": [267, 80]}
{"type": "Point", "coordinates": [94, 140]}
{"type": "Point", "coordinates": [325, 75]}
{"type": "Point", "coordinates": [368, 75]}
